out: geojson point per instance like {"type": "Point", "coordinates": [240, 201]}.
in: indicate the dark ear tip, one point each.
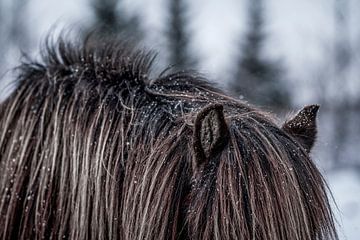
{"type": "Point", "coordinates": [312, 108]}
{"type": "Point", "coordinates": [303, 126]}
{"type": "Point", "coordinates": [210, 133]}
{"type": "Point", "coordinates": [210, 107]}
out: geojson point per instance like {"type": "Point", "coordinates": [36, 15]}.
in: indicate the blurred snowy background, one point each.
{"type": "Point", "coordinates": [279, 54]}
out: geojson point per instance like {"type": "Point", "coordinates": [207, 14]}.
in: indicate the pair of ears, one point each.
{"type": "Point", "coordinates": [211, 133]}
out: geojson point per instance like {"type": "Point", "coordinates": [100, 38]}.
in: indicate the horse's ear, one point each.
{"type": "Point", "coordinates": [211, 133]}
{"type": "Point", "coordinates": [303, 126]}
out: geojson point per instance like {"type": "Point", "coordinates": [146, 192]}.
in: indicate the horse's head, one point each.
{"type": "Point", "coordinates": [93, 147]}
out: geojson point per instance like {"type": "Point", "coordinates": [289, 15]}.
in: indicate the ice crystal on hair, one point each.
{"type": "Point", "coordinates": [93, 145]}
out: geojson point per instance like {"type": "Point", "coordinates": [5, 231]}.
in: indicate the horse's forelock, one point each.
{"type": "Point", "coordinates": [92, 148]}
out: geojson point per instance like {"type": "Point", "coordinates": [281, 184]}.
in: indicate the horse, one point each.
{"type": "Point", "coordinates": [93, 145]}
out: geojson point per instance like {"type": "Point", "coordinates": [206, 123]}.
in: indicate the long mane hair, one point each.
{"type": "Point", "coordinates": [93, 147]}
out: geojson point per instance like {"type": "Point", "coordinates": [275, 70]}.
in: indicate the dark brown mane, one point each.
{"type": "Point", "coordinates": [93, 147]}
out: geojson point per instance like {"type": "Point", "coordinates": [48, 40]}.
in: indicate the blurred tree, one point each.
{"type": "Point", "coordinates": [340, 101]}
{"type": "Point", "coordinates": [259, 79]}
{"type": "Point", "coordinates": [15, 36]}
{"type": "Point", "coordinates": [109, 19]}
{"type": "Point", "coordinates": [2, 35]}
{"type": "Point", "coordinates": [177, 36]}
{"type": "Point", "coordinates": [18, 31]}
{"type": "Point", "coordinates": [342, 43]}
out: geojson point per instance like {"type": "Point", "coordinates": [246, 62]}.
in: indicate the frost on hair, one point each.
{"type": "Point", "coordinates": [93, 147]}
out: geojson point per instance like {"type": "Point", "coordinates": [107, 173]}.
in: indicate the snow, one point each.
{"type": "Point", "coordinates": [345, 187]}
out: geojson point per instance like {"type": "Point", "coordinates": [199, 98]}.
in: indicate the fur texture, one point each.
{"type": "Point", "coordinates": [92, 148]}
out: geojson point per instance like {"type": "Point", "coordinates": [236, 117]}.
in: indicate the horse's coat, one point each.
{"type": "Point", "coordinates": [92, 148]}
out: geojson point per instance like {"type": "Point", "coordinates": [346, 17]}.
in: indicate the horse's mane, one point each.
{"type": "Point", "coordinates": [93, 147]}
